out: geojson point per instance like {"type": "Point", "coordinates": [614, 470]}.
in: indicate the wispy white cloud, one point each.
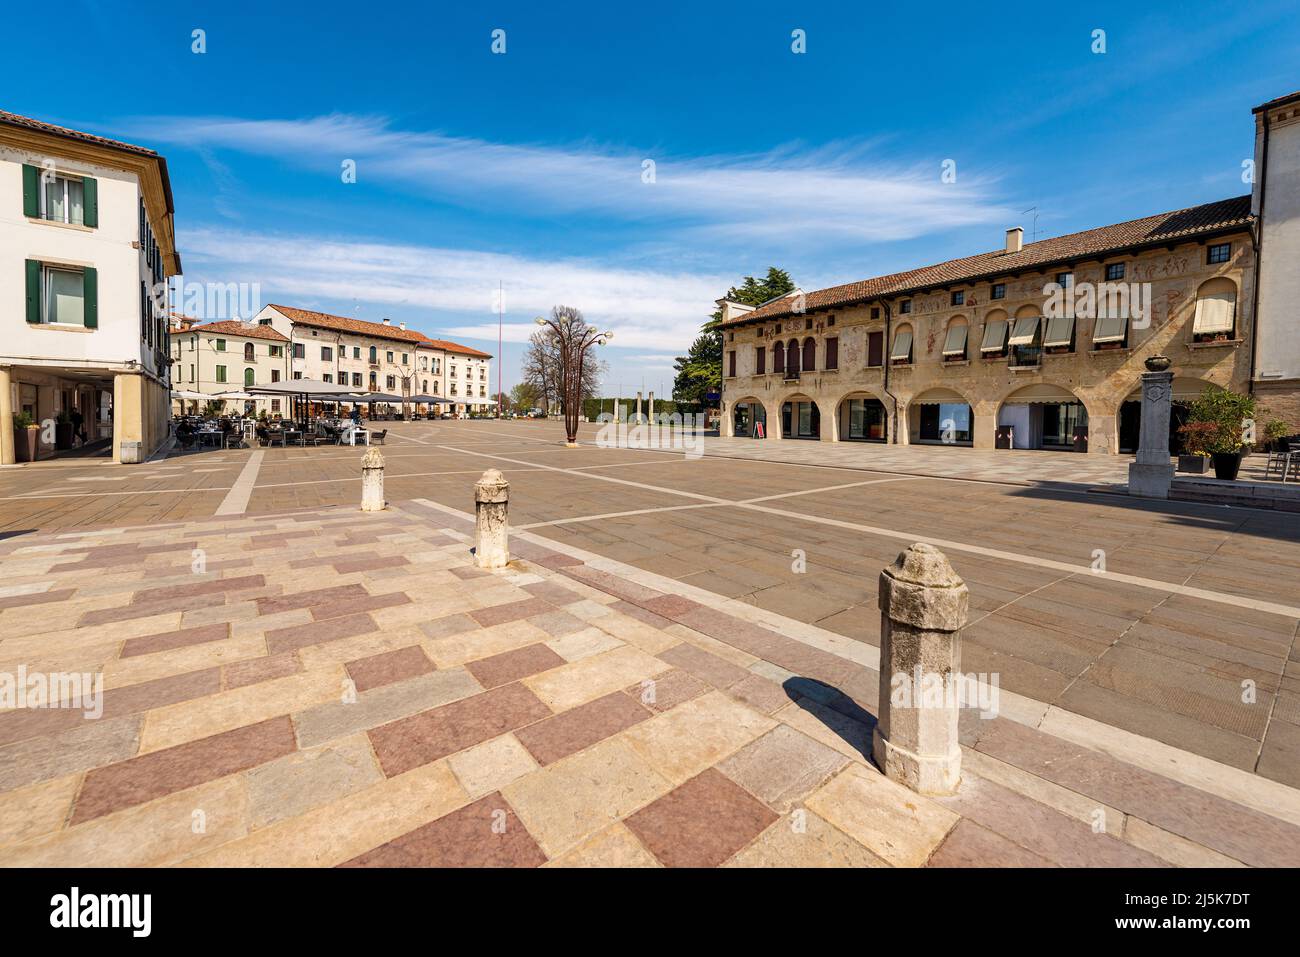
{"type": "Point", "coordinates": [646, 309]}
{"type": "Point", "coordinates": [832, 194]}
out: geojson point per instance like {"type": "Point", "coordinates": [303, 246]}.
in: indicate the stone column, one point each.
{"type": "Point", "coordinates": [491, 528]}
{"type": "Point", "coordinates": [923, 606]}
{"type": "Point", "coordinates": [6, 417]}
{"type": "Point", "coordinates": [1151, 475]}
{"type": "Point", "coordinates": [638, 408]}
{"type": "Point", "coordinates": [650, 406]}
{"type": "Point", "coordinates": [372, 481]}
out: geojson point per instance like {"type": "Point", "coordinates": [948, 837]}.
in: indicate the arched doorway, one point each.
{"type": "Point", "coordinates": [800, 418]}
{"type": "Point", "coordinates": [940, 417]}
{"type": "Point", "coordinates": [749, 419]}
{"type": "Point", "coordinates": [862, 418]}
{"type": "Point", "coordinates": [1186, 389]}
{"type": "Point", "coordinates": [1043, 416]}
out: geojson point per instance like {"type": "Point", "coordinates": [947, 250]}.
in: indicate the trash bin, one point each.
{"type": "Point", "coordinates": [1081, 438]}
{"type": "Point", "coordinates": [1005, 437]}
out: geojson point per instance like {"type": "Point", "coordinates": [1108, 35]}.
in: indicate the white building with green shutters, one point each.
{"type": "Point", "coordinates": [86, 241]}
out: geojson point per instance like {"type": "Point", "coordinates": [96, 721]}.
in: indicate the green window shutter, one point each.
{"type": "Point", "coordinates": [31, 192]}
{"type": "Point", "coordinates": [33, 290]}
{"type": "Point", "coordinates": [91, 298]}
{"type": "Point", "coordinates": [90, 200]}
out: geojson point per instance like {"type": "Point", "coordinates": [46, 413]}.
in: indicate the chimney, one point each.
{"type": "Point", "coordinates": [402, 326]}
{"type": "Point", "coordinates": [385, 320]}
{"type": "Point", "coordinates": [1015, 239]}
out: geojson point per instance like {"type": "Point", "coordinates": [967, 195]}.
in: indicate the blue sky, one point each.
{"type": "Point", "coordinates": [527, 167]}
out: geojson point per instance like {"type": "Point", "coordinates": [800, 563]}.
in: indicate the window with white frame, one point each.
{"type": "Point", "coordinates": [63, 199]}
{"type": "Point", "coordinates": [63, 298]}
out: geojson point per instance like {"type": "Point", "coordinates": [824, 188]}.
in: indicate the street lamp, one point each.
{"type": "Point", "coordinates": [573, 349]}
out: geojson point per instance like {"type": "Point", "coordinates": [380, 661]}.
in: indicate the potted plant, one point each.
{"type": "Point", "coordinates": [1228, 414]}
{"type": "Point", "coordinates": [63, 431]}
{"type": "Point", "coordinates": [25, 433]}
{"type": "Point", "coordinates": [1196, 436]}
{"type": "Point", "coordinates": [1275, 434]}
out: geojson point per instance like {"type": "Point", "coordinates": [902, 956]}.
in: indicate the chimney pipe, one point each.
{"type": "Point", "coordinates": [1015, 239]}
{"type": "Point", "coordinates": [402, 326]}
{"type": "Point", "coordinates": [385, 320]}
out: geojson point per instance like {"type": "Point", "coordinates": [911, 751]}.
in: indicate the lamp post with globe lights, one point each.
{"type": "Point", "coordinates": [574, 344]}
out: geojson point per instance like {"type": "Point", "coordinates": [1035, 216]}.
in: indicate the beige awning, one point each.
{"type": "Point", "coordinates": [1060, 331]}
{"type": "Point", "coordinates": [1025, 331]}
{"type": "Point", "coordinates": [902, 345]}
{"type": "Point", "coordinates": [1041, 392]}
{"type": "Point", "coordinates": [955, 343]}
{"type": "Point", "coordinates": [935, 396]}
{"type": "Point", "coordinates": [1215, 313]}
{"type": "Point", "coordinates": [1110, 329]}
{"type": "Point", "coordinates": [995, 336]}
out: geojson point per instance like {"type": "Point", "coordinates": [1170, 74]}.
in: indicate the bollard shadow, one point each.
{"type": "Point", "coordinates": [847, 719]}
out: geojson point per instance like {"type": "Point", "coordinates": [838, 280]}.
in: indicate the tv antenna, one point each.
{"type": "Point", "coordinates": [1034, 210]}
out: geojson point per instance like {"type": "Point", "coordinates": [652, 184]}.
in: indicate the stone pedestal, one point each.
{"type": "Point", "coordinates": [923, 606]}
{"type": "Point", "coordinates": [1151, 475]}
{"type": "Point", "coordinates": [491, 530]}
{"type": "Point", "coordinates": [372, 481]}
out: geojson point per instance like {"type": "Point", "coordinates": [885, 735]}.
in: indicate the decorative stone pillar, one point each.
{"type": "Point", "coordinates": [372, 481]}
{"type": "Point", "coordinates": [650, 406]}
{"type": "Point", "coordinates": [491, 531]}
{"type": "Point", "coordinates": [638, 409]}
{"type": "Point", "coordinates": [6, 417]}
{"type": "Point", "coordinates": [1152, 474]}
{"type": "Point", "coordinates": [923, 606]}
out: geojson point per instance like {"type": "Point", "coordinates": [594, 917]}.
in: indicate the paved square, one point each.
{"type": "Point", "coordinates": [299, 683]}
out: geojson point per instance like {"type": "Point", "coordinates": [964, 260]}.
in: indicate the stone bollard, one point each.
{"type": "Point", "coordinates": [372, 481]}
{"type": "Point", "coordinates": [923, 606]}
{"type": "Point", "coordinates": [491, 534]}
{"type": "Point", "coordinates": [1151, 474]}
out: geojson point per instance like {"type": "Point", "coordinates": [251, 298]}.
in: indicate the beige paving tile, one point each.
{"type": "Point", "coordinates": [583, 644]}
{"type": "Point", "coordinates": [492, 765]}
{"type": "Point", "coordinates": [1076, 805]}
{"type": "Point", "coordinates": [95, 744]}
{"type": "Point", "coordinates": [360, 646]}
{"type": "Point", "coordinates": [203, 717]}
{"type": "Point", "coordinates": [581, 681]}
{"type": "Point", "coordinates": [457, 649]}
{"type": "Point", "coordinates": [37, 809]}
{"type": "Point", "coordinates": [129, 671]}
{"type": "Point", "coordinates": [159, 833]}
{"type": "Point", "coordinates": [615, 846]}
{"type": "Point", "coordinates": [1173, 848]}
{"type": "Point", "coordinates": [628, 629]}
{"type": "Point", "coordinates": [681, 743]}
{"type": "Point", "coordinates": [894, 823]}
{"type": "Point", "coordinates": [341, 830]}
{"type": "Point", "coordinates": [782, 766]}
{"type": "Point", "coordinates": [802, 839]}
{"type": "Point", "coordinates": [342, 717]}
{"type": "Point", "coordinates": [306, 779]}
{"type": "Point", "coordinates": [583, 793]}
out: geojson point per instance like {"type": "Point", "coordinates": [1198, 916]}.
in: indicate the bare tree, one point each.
{"type": "Point", "coordinates": [543, 360]}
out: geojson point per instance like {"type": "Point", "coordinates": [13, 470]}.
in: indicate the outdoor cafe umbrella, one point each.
{"type": "Point", "coordinates": [186, 395]}
{"type": "Point", "coordinates": [302, 389]}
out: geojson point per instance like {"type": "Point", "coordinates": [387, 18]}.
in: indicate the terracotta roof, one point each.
{"type": "Point", "coordinates": [14, 119]}
{"type": "Point", "coordinates": [233, 327]}
{"type": "Point", "coordinates": [360, 327]}
{"type": "Point", "coordinates": [447, 346]}
{"type": "Point", "coordinates": [1208, 219]}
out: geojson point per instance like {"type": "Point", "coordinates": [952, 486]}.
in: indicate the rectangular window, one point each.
{"type": "Point", "coordinates": [958, 297]}
{"type": "Point", "coordinates": [326, 354]}
{"type": "Point", "coordinates": [760, 360]}
{"type": "Point", "coordinates": [64, 296]}
{"type": "Point", "coordinates": [1114, 272]}
{"type": "Point", "coordinates": [995, 337]}
{"type": "Point", "coordinates": [221, 373]}
{"type": "Point", "coordinates": [1215, 314]}
{"type": "Point", "coordinates": [1060, 332]}
{"type": "Point", "coordinates": [1065, 279]}
{"type": "Point", "coordinates": [356, 352]}
{"type": "Point", "coordinates": [300, 350]}
{"type": "Point", "coordinates": [902, 351]}
{"type": "Point", "coordinates": [954, 346]}
{"type": "Point", "coordinates": [1218, 253]}
{"type": "Point", "coordinates": [275, 352]}
{"type": "Point", "coordinates": [297, 375]}
{"type": "Point", "coordinates": [778, 358]}
{"type": "Point", "coordinates": [63, 199]}
{"type": "Point", "coordinates": [390, 357]}
{"type": "Point", "coordinates": [905, 307]}
{"type": "Point", "coordinates": [833, 352]}
{"type": "Point", "coordinates": [356, 378]}
{"type": "Point", "coordinates": [275, 405]}
{"type": "Point", "coordinates": [731, 363]}
{"type": "Point", "coordinates": [405, 356]}
{"type": "Point", "coordinates": [390, 383]}
{"type": "Point", "coordinates": [275, 375]}
{"type": "Point", "coordinates": [875, 349]}
{"type": "Point", "coordinates": [326, 377]}
{"type": "Point", "coordinates": [998, 291]}
{"type": "Point", "coordinates": [221, 345]}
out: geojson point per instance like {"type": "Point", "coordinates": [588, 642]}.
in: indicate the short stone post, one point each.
{"type": "Point", "coordinates": [1151, 475]}
{"type": "Point", "coordinates": [923, 606]}
{"type": "Point", "coordinates": [638, 409]}
{"type": "Point", "coordinates": [372, 481]}
{"type": "Point", "coordinates": [491, 534]}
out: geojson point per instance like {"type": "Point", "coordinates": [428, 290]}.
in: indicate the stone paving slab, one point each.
{"type": "Point", "coordinates": [557, 712]}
